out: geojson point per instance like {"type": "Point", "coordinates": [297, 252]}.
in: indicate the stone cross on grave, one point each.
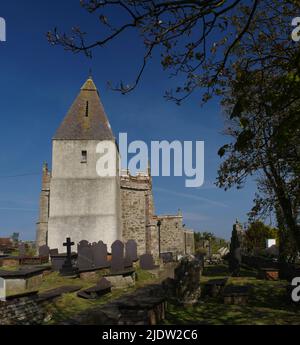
{"type": "Point", "coordinates": [68, 269]}
{"type": "Point", "coordinates": [69, 245]}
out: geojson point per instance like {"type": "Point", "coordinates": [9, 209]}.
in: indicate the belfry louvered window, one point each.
{"type": "Point", "coordinates": [87, 109]}
{"type": "Point", "coordinates": [83, 156]}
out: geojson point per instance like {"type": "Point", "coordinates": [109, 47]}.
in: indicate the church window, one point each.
{"type": "Point", "coordinates": [83, 156]}
{"type": "Point", "coordinates": [87, 109]}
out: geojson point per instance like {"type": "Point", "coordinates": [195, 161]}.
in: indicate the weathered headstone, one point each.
{"type": "Point", "coordinates": [99, 252]}
{"type": "Point", "coordinates": [22, 250]}
{"type": "Point", "coordinates": [117, 260]}
{"type": "Point", "coordinates": [131, 250]}
{"type": "Point", "coordinates": [85, 256]}
{"type": "Point", "coordinates": [44, 251]}
{"type": "Point", "coordinates": [187, 281]}
{"type": "Point", "coordinates": [101, 288]}
{"type": "Point", "coordinates": [147, 262]}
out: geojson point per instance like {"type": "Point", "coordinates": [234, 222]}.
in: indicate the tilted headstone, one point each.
{"type": "Point", "coordinates": [85, 256]}
{"type": "Point", "coordinates": [99, 251]}
{"type": "Point", "coordinates": [147, 262]}
{"type": "Point", "coordinates": [101, 288]}
{"type": "Point", "coordinates": [44, 251]}
{"type": "Point", "coordinates": [117, 260]}
{"type": "Point", "coordinates": [22, 250]}
{"type": "Point", "coordinates": [131, 250]}
{"type": "Point", "coordinates": [104, 284]}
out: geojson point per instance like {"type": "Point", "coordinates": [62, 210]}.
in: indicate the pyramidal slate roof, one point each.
{"type": "Point", "coordinates": [86, 119]}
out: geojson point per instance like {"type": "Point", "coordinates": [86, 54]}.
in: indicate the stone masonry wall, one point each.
{"type": "Point", "coordinates": [171, 234]}
{"type": "Point", "coordinates": [137, 208]}
{"type": "Point", "coordinates": [42, 224]}
{"type": "Point", "coordinates": [189, 241]}
{"type": "Point", "coordinates": [22, 311]}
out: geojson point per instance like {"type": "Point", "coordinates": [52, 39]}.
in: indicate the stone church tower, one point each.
{"type": "Point", "coordinates": [76, 202]}
{"type": "Point", "coordinates": [81, 204]}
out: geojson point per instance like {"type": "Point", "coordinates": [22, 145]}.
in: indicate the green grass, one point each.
{"type": "Point", "coordinates": [9, 268]}
{"type": "Point", "coordinates": [268, 304]}
{"type": "Point", "coordinates": [69, 304]}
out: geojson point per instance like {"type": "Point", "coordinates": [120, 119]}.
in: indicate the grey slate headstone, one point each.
{"type": "Point", "coordinates": [44, 251]}
{"type": "Point", "coordinates": [117, 260]}
{"type": "Point", "coordinates": [131, 250]}
{"type": "Point", "coordinates": [147, 262]}
{"type": "Point", "coordinates": [85, 256]}
{"type": "Point", "coordinates": [99, 251]}
{"type": "Point", "coordinates": [83, 243]}
{"type": "Point", "coordinates": [128, 262]}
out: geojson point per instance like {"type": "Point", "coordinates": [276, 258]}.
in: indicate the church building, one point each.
{"type": "Point", "coordinates": [76, 202]}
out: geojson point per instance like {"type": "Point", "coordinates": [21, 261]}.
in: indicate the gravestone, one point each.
{"type": "Point", "coordinates": [187, 281]}
{"type": "Point", "coordinates": [99, 252]}
{"type": "Point", "coordinates": [83, 243]}
{"type": "Point", "coordinates": [85, 256]}
{"type": "Point", "coordinates": [128, 261]}
{"type": "Point", "coordinates": [236, 294]}
{"type": "Point", "coordinates": [53, 251]}
{"type": "Point", "coordinates": [58, 260]}
{"type": "Point", "coordinates": [22, 250]}
{"type": "Point", "coordinates": [101, 288]}
{"type": "Point", "coordinates": [117, 260]}
{"type": "Point", "coordinates": [167, 257]}
{"type": "Point", "coordinates": [44, 251]}
{"type": "Point", "coordinates": [131, 250]}
{"type": "Point", "coordinates": [68, 269]}
{"type": "Point", "coordinates": [214, 287]}
{"type": "Point", "coordinates": [147, 262]}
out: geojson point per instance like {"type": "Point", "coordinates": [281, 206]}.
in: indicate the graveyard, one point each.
{"type": "Point", "coordinates": [93, 286]}
{"type": "Point", "coordinates": [150, 167]}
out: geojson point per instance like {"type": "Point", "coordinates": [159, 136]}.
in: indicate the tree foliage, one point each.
{"type": "Point", "coordinates": [262, 102]}
{"type": "Point", "coordinates": [240, 50]}
{"type": "Point", "coordinates": [183, 31]}
{"type": "Point", "coordinates": [257, 234]}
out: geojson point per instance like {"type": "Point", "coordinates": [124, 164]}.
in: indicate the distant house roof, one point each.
{"type": "Point", "coordinates": [5, 243]}
{"type": "Point", "coordinates": [86, 119]}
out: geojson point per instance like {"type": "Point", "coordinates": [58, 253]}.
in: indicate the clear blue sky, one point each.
{"type": "Point", "coordinates": [38, 83]}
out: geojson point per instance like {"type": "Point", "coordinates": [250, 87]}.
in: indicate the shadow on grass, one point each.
{"type": "Point", "coordinates": [222, 270]}
{"type": "Point", "coordinates": [213, 313]}
{"type": "Point", "coordinates": [268, 304]}
{"type": "Point", "coordinates": [216, 271]}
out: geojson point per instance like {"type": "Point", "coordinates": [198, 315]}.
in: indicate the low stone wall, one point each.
{"type": "Point", "coordinates": [22, 311]}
